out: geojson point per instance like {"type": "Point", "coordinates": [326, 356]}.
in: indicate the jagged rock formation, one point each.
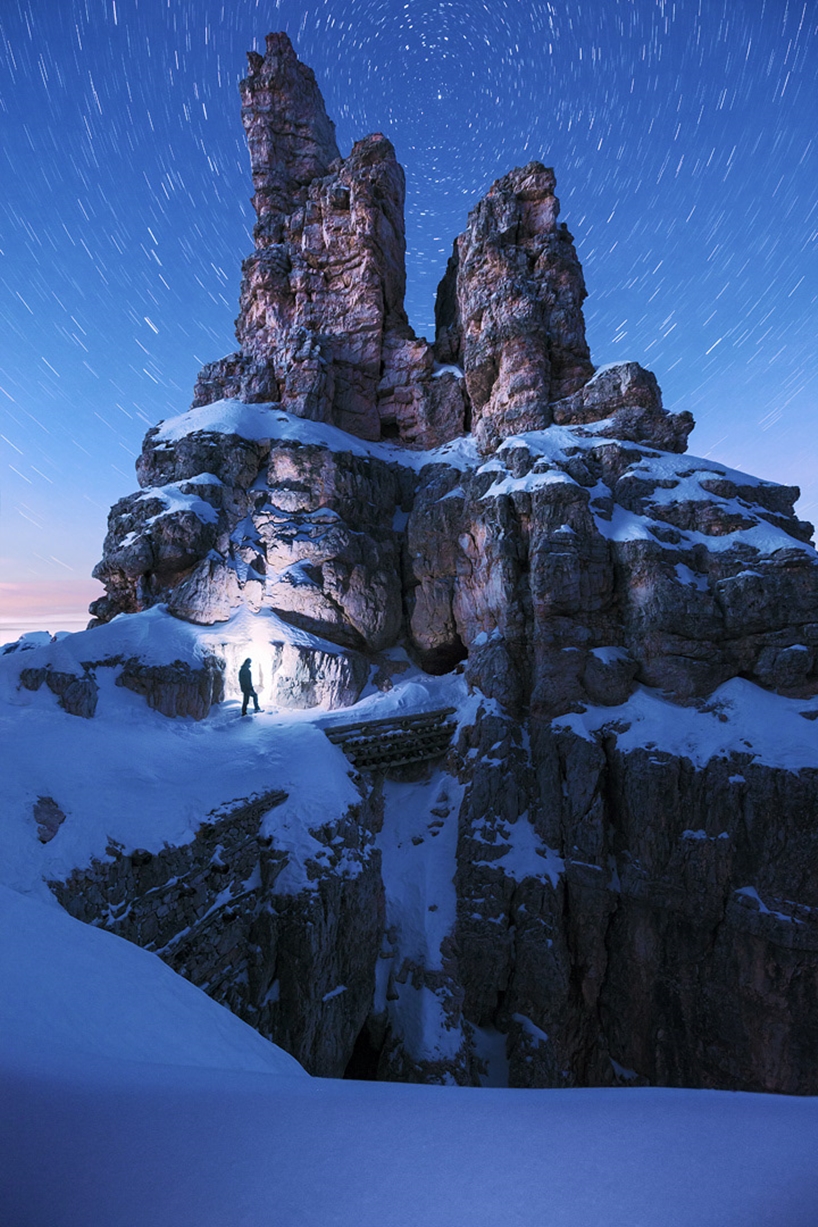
{"type": "Point", "coordinates": [266, 954]}
{"type": "Point", "coordinates": [571, 568]}
{"type": "Point", "coordinates": [322, 327]}
{"type": "Point", "coordinates": [509, 310]}
{"type": "Point", "coordinates": [567, 567]}
{"type": "Point", "coordinates": [492, 505]}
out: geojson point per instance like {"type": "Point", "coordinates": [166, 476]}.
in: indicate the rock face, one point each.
{"type": "Point", "coordinates": [509, 310]}
{"type": "Point", "coordinates": [569, 569]}
{"type": "Point", "coordinates": [657, 946]}
{"type": "Point", "coordinates": [49, 818]}
{"type": "Point", "coordinates": [77, 694]}
{"type": "Point", "coordinates": [213, 912]}
{"type": "Point", "coordinates": [322, 327]}
{"type": "Point", "coordinates": [621, 916]}
{"type": "Point", "coordinates": [624, 912]}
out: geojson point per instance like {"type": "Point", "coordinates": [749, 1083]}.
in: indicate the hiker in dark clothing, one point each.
{"type": "Point", "coordinates": [246, 683]}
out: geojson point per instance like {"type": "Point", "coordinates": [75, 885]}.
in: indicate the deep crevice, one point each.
{"type": "Point", "coordinates": [363, 1064]}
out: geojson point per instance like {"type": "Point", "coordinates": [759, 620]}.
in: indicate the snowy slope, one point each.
{"type": "Point", "coordinates": [133, 775]}
{"type": "Point", "coordinates": [72, 993]}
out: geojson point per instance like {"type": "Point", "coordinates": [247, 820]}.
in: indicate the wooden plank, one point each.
{"type": "Point", "coordinates": [393, 738]}
{"type": "Point", "coordinates": [335, 730]}
{"type": "Point", "coordinates": [395, 741]}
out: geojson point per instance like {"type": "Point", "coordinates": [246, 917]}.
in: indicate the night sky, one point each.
{"type": "Point", "coordinates": [683, 138]}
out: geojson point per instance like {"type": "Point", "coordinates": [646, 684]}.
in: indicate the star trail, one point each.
{"type": "Point", "coordinates": [682, 135]}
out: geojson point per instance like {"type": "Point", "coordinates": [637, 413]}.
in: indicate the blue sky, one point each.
{"type": "Point", "coordinates": [684, 144]}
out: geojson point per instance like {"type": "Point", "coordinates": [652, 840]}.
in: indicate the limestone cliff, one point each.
{"type": "Point", "coordinates": [635, 891]}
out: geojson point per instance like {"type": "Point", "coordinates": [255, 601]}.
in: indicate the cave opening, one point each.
{"type": "Point", "coordinates": [443, 658]}
{"type": "Point", "coordinates": [363, 1064]}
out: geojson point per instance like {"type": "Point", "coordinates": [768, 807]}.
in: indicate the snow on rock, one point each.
{"type": "Point", "coordinates": [418, 843]}
{"type": "Point", "coordinates": [738, 719]}
{"type": "Point", "coordinates": [559, 544]}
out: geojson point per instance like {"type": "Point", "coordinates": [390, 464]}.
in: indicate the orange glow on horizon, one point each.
{"type": "Point", "coordinates": [45, 605]}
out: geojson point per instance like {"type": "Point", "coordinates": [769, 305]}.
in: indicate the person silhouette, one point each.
{"type": "Point", "coordinates": [247, 689]}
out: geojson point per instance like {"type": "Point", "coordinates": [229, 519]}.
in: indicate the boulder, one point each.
{"type": "Point", "coordinates": [49, 818]}
{"type": "Point", "coordinates": [77, 694]}
{"type": "Point", "coordinates": [629, 396]}
{"type": "Point", "coordinates": [176, 689]}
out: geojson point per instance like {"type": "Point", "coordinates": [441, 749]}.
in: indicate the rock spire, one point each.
{"type": "Point", "coordinates": [514, 556]}
{"type": "Point", "coordinates": [322, 327]}
{"type": "Point", "coordinates": [509, 310]}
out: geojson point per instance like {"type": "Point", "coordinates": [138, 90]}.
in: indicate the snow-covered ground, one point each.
{"type": "Point", "coordinates": [129, 1099]}
{"type": "Point", "coordinates": [135, 776]}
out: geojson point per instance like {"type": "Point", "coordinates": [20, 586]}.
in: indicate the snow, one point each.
{"type": "Point", "coordinates": [72, 992]}
{"type": "Point", "coordinates": [418, 846]}
{"type": "Point", "coordinates": [132, 775]}
{"type": "Point", "coordinates": [263, 422]}
{"type": "Point", "coordinates": [531, 481]}
{"type": "Point", "coordinates": [127, 1145]}
{"type": "Point", "coordinates": [534, 1033]}
{"type": "Point", "coordinates": [129, 1098]}
{"type": "Point", "coordinates": [523, 854]}
{"type": "Point", "coordinates": [151, 636]}
{"type": "Point", "coordinates": [553, 445]}
{"type": "Point", "coordinates": [691, 579]}
{"type": "Point", "coordinates": [609, 655]}
{"type": "Point", "coordinates": [627, 1075]}
{"type": "Point", "coordinates": [29, 640]}
{"type": "Point", "coordinates": [489, 1046]}
{"type": "Point", "coordinates": [176, 501]}
{"type": "Point", "coordinates": [600, 370]}
{"type": "Point", "coordinates": [750, 892]}
{"type": "Point", "coordinates": [335, 992]}
{"type": "Point", "coordinates": [738, 718]}
{"type": "Point", "coordinates": [683, 473]}
{"type": "Point", "coordinates": [529, 853]}
{"type": "Point", "coordinates": [418, 850]}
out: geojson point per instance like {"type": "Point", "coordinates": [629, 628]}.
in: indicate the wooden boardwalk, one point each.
{"type": "Point", "coordinates": [374, 745]}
